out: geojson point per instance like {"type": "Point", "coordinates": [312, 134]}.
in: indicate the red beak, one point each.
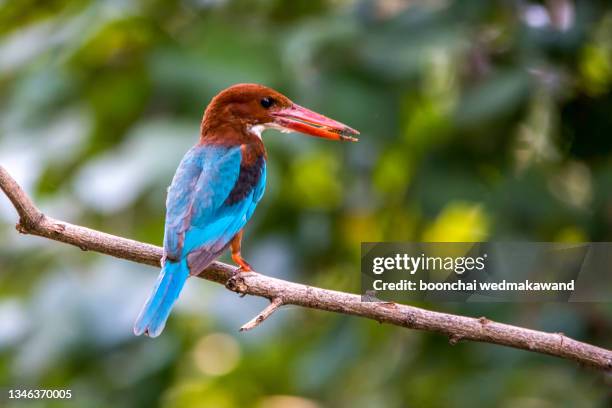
{"type": "Point", "coordinates": [311, 123]}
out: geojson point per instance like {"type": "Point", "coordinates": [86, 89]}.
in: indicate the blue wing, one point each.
{"type": "Point", "coordinates": [201, 183]}
{"type": "Point", "coordinates": [200, 222]}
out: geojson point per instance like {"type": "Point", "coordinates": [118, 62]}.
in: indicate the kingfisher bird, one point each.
{"type": "Point", "coordinates": [218, 184]}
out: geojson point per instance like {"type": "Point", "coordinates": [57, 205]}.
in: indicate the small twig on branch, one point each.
{"type": "Point", "coordinates": [280, 292]}
{"type": "Point", "coordinates": [257, 320]}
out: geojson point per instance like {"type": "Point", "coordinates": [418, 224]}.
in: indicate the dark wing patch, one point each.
{"type": "Point", "coordinates": [248, 179]}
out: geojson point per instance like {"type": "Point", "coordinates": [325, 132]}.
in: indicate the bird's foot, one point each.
{"type": "Point", "coordinates": [241, 269]}
{"type": "Point", "coordinates": [243, 266]}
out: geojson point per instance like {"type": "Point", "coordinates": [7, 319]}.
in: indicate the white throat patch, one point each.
{"type": "Point", "coordinates": [258, 129]}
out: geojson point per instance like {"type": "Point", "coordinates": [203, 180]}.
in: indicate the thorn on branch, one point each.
{"type": "Point", "coordinates": [257, 320]}
{"type": "Point", "coordinates": [453, 339]}
{"type": "Point", "coordinates": [483, 320]}
{"type": "Point", "coordinates": [21, 228]}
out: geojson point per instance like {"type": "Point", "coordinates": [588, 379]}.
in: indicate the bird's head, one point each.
{"type": "Point", "coordinates": [256, 107]}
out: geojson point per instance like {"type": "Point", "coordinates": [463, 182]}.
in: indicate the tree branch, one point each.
{"type": "Point", "coordinates": [280, 292]}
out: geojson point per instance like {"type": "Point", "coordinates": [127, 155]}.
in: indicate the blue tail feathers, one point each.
{"type": "Point", "coordinates": [155, 312]}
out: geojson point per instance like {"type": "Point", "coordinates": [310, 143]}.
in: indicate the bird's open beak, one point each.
{"type": "Point", "coordinates": [303, 120]}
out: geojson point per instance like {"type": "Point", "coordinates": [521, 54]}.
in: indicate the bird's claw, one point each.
{"type": "Point", "coordinates": [243, 266]}
{"type": "Point", "coordinates": [241, 269]}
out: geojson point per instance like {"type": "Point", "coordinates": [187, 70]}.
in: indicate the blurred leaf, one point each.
{"type": "Point", "coordinates": [313, 181]}
{"type": "Point", "coordinates": [459, 222]}
{"type": "Point", "coordinates": [498, 95]}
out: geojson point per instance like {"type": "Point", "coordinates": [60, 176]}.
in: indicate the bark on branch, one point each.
{"type": "Point", "coordinates": [280, 292]}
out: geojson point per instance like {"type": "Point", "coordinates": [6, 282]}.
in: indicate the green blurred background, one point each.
{"type": "Point", "coordinates": [480, 120]}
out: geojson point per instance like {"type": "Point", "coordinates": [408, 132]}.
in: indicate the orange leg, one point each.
{"type": "Point", "coordinates": [236, 257]}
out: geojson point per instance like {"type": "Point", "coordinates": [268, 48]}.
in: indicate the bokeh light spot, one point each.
{"type": "Point", "coordinates": [216, 354]}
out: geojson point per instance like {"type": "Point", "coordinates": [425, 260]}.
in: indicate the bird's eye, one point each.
{"type": "Point", "coordinates": [267, 102]}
